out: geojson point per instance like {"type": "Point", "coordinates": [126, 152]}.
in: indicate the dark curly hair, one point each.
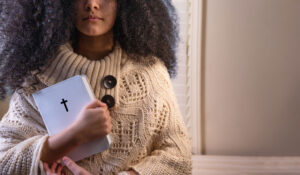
{"type": "Point", "coordinates": [33, 30]}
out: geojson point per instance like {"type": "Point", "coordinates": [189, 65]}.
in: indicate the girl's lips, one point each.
{"type": "Point", "coordinates": [93, 18]}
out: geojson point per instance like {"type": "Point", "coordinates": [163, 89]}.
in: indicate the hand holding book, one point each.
{"type": "Point", "coordinates": [93, 122]}
{"type": "Point", "coordinates": [78, 124]}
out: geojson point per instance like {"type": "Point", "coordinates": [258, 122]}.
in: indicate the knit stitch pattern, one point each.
{"type": "Point", "coordinates": [148, 133]}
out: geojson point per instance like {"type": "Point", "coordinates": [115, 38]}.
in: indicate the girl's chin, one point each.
{"type": "Point", "coordinates": [94, 34]}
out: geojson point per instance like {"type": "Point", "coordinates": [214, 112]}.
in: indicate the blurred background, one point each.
{"type": "Point", "coordinates": [242, 85]}
{"type": "Point", "coordinates": [249, 75]}
{"type": "Point", "coordinates": [4, 106]}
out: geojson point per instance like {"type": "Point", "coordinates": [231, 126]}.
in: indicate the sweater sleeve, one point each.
{"type": "Point", "coordinates": [22, 135]}
{"type": "Point", "coordinates": [171, 150]}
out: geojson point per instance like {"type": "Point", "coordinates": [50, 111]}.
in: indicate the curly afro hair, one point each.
{"type": "Point", "coordinates": [33, 30]}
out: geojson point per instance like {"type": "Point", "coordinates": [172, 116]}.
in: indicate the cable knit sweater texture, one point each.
{"type": "Point", "coordinates": [148, 133]}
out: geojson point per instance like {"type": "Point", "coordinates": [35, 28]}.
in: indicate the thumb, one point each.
{"type": "Point", "coordinates": [71, 165]}
{"type": "Point", "coordinates": [93, 104]}
{"type": "Point", "coordinates": [102, 104]}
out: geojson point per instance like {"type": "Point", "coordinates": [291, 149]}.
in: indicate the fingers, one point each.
{"type": "Point", "coordinates": [93, 104]}
{"type": "Point", "coordinates": [106, 117]}
{"type": "Point", "coordinates": [46, 166]}
{"type": "Point", "coordinates": [101, 111]}
{"type": "Point", "coordinates": [96, 103]}
{"type": "Point", "coordinates": [71, 165]}
{"type": "Point", "coordinates": [102, 104]}
{"type": "Point", "coordinates": [59, 170]}
{"type": "Point", "coordinates": [56, 169]}
{"type": "Point", "coordinates": [53, 167]}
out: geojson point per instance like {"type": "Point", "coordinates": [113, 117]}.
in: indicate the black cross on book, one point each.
{"type": "Point", "coordinates": [64, 102]}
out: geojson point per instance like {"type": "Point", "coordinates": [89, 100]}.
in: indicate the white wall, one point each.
{"type": "Point", "coordinates": [252, 77]}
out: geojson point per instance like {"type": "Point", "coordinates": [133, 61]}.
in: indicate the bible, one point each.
{"type": "Point", "coordinates": [60, 104]}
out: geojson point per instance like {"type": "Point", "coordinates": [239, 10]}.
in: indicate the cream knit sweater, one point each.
{"type": "Point", "coordinates": [148, 133]}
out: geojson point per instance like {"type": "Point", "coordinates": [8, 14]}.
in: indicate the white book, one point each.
{"type": "Point", "coordinates": [59, 106]}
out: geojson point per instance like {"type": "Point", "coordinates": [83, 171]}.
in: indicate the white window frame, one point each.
{"type": "Point", "coordinates": [194, 75]}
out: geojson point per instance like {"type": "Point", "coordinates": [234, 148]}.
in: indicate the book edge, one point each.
{"type": "Point", "coordinates": [88, 87]}
{"type": "Point", "coordinates": [41, 113]}
{"type": "Point", "coordinates": [92, 95]}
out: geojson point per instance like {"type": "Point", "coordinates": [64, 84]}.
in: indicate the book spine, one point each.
{"type": "Point", "coordinates": [88, 87]}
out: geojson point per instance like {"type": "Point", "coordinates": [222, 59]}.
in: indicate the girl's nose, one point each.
{"type": "Point", "coordinates": [92, 4]}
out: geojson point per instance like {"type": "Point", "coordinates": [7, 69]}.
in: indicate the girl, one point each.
{"type": "Point", "coordinates": [127, 51]}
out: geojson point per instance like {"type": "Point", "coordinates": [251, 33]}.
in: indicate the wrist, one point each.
{"type": "Point", "coordinates": [75, 135]}
{"type": "Point", "coordinates": [58, 145]}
